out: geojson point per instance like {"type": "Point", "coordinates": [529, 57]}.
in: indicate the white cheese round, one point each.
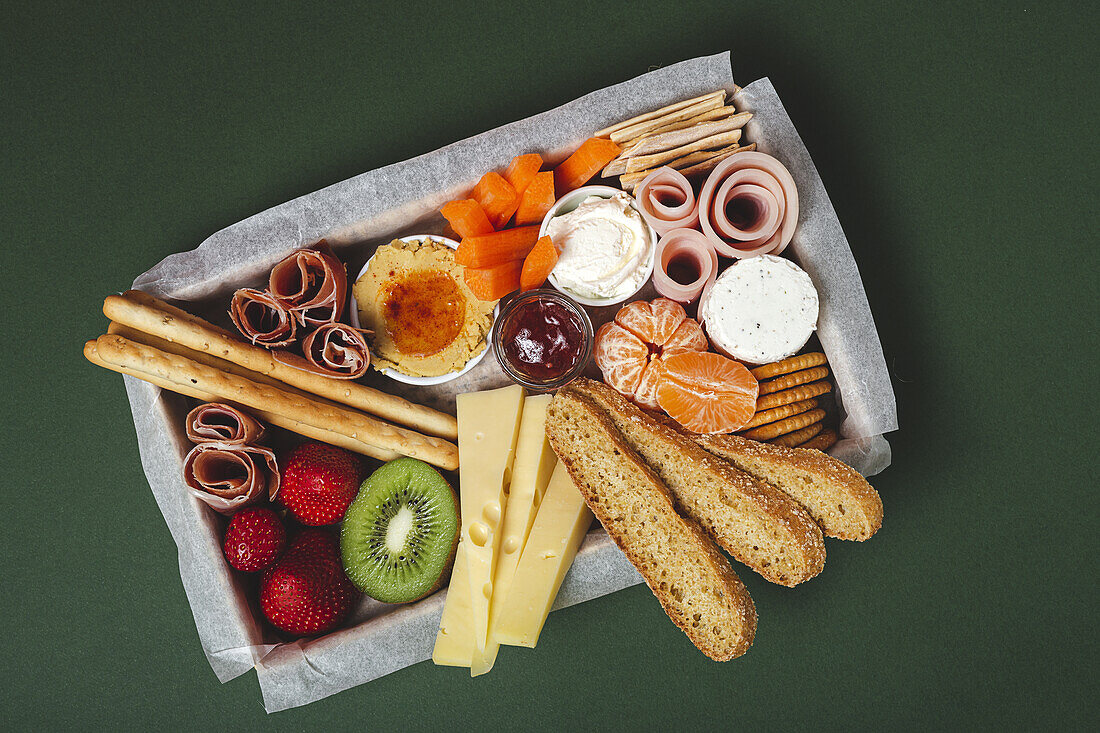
{"type": "Point", "coordinates": [761, 309]}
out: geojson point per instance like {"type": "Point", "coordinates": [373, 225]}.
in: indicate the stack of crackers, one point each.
{"type": "Point", "coordinates": [787, 410]}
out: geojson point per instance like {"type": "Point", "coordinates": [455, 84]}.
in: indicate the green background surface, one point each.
{"type": "Point", "coordinates": [955, 143]}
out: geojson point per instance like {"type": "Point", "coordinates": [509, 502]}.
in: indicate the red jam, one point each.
{"type": "Point", "coordinates": [542, 340]}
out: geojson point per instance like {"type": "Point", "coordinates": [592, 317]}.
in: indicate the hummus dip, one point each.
{"type": "Point", "coordinates": [425, 319]}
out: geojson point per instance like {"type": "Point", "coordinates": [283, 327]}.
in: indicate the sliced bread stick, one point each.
{"type": "Point", "coordinates": [757, 524]}
{"type": "Point", "coordinates": [689, 576]}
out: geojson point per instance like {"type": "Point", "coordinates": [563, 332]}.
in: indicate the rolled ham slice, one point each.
{"type": "Point", "coordinates": [312, 284]}
{"type": "Point", "coordinates": [228, 476]}
{"type": "Point", "coordinates": [762, 196]}
{"type": "Point", "coordinates": [667, 201]}
{"type": "Point", "coordinates": [694, 251]}
{"type": "Point", "coordinates": [262, 319]}
{"type": "Point", "coordinates": [333, 350]}
{"type": "Point", "coordinates": [223, 423]}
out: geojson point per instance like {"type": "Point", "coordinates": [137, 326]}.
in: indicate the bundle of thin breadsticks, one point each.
{"type": "Point", "coordinates": [692, 136]}
{"type": "Point", "coordinates": [163, 345]}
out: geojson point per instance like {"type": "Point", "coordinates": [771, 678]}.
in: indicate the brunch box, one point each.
{"type": "Point", "coordinates": [355, 218]}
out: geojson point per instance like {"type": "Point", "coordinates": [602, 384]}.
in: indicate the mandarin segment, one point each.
{"type": "Point", "coordinates": [688, 336]}
{"type": "Point", "coordinates": [621, 356]}
{"type": "Point", "coordinates": [707, 393]}
{"type": "Point", "coordinates": [646, 393]}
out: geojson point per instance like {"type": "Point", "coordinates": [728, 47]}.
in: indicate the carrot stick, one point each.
{"type": "Point", "coordinates": [497, 198]}
{"type": "Point", "coordinates": [537, 199]}
{"type": "Point", "coordinates": [521, 170]}
{"type": "Point", "coordinates": [538, 264]}
{"type": "Point", "coordinates": [493, 283]}
{"type": "Point", "coordinates": [588, 160]}
{"type": "Point", "coordinates": [495, 249]}
{"type": "Point", "coordinates": [467, 218]}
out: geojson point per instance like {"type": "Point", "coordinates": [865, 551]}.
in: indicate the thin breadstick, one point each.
{"type": "Point", "coordinates": [641, 128]}
{"type": "Point", "coordinates": [671, 141]}
{"type": "Point", "coordinates": [823, 441]}
{"type": "Point", "coordinates": [779, 413]}
{"type": "Point", "coordinates": [180, 371]}
{"type": "Point", "coordinates": [712, 162]}
{"type": "Point", "coordinates": [641, 162]}
{"type": "Point", "coordinates": [791, 424]}
{"type": "Point", "coordinates": [793, 379]}
{"type": "Point", "coordinates": [788, 365]}
{"type": "Point", "coordinates": [117, 329]}
{"type": "Point", "coordinates": [273, 418]}
{"type": "Point", "coordinates": [717, 113]}
{"type": "Point", "coordinates": [790, 440]}
{"type": "Point", "coordinates": [646, 116]}
{"type": "Point", "coordinates": [684, 163]}
{"type": "Point", "coordinates": [794, 394]}
{"type": "Point", "coordinates": [145, 313]}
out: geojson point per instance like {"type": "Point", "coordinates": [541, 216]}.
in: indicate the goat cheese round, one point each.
{"type": "Point", "coordinates": [604, 247]}
{"type": "Point", "coordinates": [761, 309]}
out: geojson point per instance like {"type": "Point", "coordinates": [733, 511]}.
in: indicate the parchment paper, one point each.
{"type": "Point", "coordinates": [362, 212]}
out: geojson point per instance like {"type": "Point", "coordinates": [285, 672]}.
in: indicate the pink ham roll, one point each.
{"type": "Point", "coordinates": [686, 264]}
{"type": "Point", "coordinates": [312, 284]}
{"type": "Point", "coordinates": [223, 423]}
{"type": "Point", "coordinates": [228, 476]}
{"type": "Point", "coordinates": [332, 350]}
{"type": "Point", "coordinates": [667, 201]}
{"type": "Point", "coordinates": [749, 206]}
{"type": "Point", "coordinates": [262, 319]}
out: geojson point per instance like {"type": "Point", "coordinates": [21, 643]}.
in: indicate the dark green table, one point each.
{"type": "Point", "coordinates": [955, 144]}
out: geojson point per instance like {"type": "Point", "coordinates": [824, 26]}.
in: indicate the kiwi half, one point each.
{"type": "Point", "coordinates": [399, 536]}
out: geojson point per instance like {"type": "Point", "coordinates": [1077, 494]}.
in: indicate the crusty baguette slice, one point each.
{"type": "Point", "coordinates": [841, 500]}
{"type": "Point", "coordinates": [757, 524]}
{"type": "Point", "coordinates": [690, 577]}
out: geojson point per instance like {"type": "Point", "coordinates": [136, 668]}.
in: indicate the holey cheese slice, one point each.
{"type": "Point", "coordinates": [534, 463]}
{"type": "Point", "coordinates": [560, 525]}
{"type": "Point", "coordinates": [488, 426]}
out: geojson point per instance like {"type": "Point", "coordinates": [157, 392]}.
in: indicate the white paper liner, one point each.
{"type": "Point", "coordinates": [404, 198]}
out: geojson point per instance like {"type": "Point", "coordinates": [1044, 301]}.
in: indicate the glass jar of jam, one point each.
{"type": "Point", "coordinates": [542, 339]}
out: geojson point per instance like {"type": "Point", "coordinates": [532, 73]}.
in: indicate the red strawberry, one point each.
{"type": "Point", "coordinates": [319, 482]}
{"type": "Point", "coordinates": [306, 591]}
{"type": "Point", "coordinates": [253, 539]}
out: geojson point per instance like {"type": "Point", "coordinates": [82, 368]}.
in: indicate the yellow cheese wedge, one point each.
{"type": "Point", "coordinates": [454, 644]}
{"type": "Point", "coordinates": [488, 426]}
{"type": "Point", "coordinates": [531, 470]}
{"type": "Point", "coordinates": [560, 526]}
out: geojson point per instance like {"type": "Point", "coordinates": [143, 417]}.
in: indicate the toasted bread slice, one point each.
{"type": "Point", "coordinates": [690, 577]}
{"type": "Point", "coordinates": [836, 496]}
{"type": "Point", "coordinates": [757, 524]}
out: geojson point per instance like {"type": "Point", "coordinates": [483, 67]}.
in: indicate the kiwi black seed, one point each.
{"type": "Point", "coordinates": [399, 536]}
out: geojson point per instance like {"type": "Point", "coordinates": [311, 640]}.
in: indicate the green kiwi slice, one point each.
{"type": "Point", "coordinates": [399, 536]}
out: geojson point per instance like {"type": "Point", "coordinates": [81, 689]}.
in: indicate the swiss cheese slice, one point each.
{"type": "Point", "coordinates": [560, 525]}
{"type": "Point", "coordinates": [531, 470]}
{"type": "Point", "coordinates": [488, 426]}
{"type": "Point", "coordinates": [454, 644]}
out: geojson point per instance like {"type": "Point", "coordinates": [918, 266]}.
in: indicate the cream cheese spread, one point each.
{"type": "Point", "coordinates": [761, 309]}
{"type": "Point", "coordinates": [605, 248]}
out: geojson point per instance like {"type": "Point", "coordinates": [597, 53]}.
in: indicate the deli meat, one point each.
{"type": "Point", "coordinates": [667, 201]}
{"type": "Point", "coordinates": [332, 350]}
{"type": "Point", "coordinates": [749, 206]}
{"type": "Point", "coordinates": [312, 284]}
{"type": "Point", "coordinates": [217, 421]}
{"type": "Point", "coordinates": [262, 319]}
{"type": "Point", "coordinates": [228, 476]}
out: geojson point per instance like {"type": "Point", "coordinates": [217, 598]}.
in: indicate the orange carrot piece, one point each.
{"type": "Point", "coordinates": [467, 218]}
{"type": "Point", "coordinates": [539, 263]}
{"type": "Point", "coordinates": [495, 249]}
{"type": "Point", "coordinates": [536, 200]}
{"type": "Point", "coordinates": [497, 198]}
{"type": "Point", "coordinates": [589, 159]}
{"type": "Point", "coordinates": [521, 170]}
{"type": "Point", "coordinates": [493, 283]}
